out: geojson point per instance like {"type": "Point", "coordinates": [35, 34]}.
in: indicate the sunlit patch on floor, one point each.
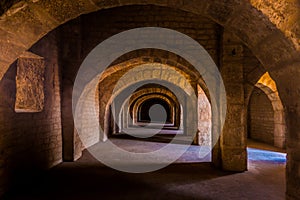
{"type": "Point", "coordinates": [267, 156]}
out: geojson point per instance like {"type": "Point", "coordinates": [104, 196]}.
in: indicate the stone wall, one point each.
{"type": "Point", "coordinates": [30, 141]}
{"type": "Point", "coordinates": [261, 118]}
{"type": "Point", "coordinates": [100, 25]}
{"type": "Point", "coordinates": [204, 119]}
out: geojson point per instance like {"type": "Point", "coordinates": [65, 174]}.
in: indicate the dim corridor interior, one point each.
{"type": "Point", "coordinates": [221, 74]}
{"type": "Point", "coordinates": [187, 178]}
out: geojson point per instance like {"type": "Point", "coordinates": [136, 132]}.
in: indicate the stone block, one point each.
{"type": "Point", "coordinates": [30, 84]}
{"type": "Point", "coordinates": [234, 159]}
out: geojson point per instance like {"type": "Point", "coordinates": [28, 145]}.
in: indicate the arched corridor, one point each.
{"type": "Point", "coordinates": [195, 90]}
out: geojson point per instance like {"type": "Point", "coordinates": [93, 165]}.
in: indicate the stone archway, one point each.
{"type": "Point", "coordinates": [154, 90]}
{"type": "Point", "coordinates": [268, 86]}
{"type": "Point", "coordinates": [150, 73]}
{"type": "Point", "coordinates": [141, 107]}
{"type": "Point", "coordinates": [32, 20]}
{"type": "Point", "coordinates": [260, 118]}
{"type": "Point", "coordinates": [26, 22]}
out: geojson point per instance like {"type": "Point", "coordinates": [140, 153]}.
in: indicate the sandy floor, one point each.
{"type": "Point", "coordinates": [87, 179]}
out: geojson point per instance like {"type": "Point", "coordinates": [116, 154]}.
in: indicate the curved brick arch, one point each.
{"type": "Point", "coordinates": [153, 71]}
{"type": "Point", "coordinates": [260, 120]}
{"type": "Point", "coordinates": [162, 92]}
{"type": "Point", "coordinates": [128, 100]}
{"type": "Point", "coordinates": [268, 86]}
{"type": "Point", "coordinates": [203, 136]}
{"type": "Point", "coordinates": [137, 105]}
{"type": "Point", "coordinates": [149, 72]}
{"type": "Point", "coordinates": [267, 81]}
{"type": "Point", "coordinates": [145, 56]}
{"type": "Point", "coordinates": [26, 22]}
{"type": "Point", "coordinates": [284, 14]}
{"type": "Point", "coordinates": [153, 90]}
{"type": "Point", "coordinates": [279, 115]}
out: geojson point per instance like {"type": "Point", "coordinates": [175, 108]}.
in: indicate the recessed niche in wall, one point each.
{"type": "Point", "coordinates": [30, 83]}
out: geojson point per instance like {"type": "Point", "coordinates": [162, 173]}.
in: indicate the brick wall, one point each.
{"type": "Point", "coordinates": [261, 117]}
{"type": "Point", "coordinates": [204, 119]}
{"type": "Point", "coordinates": [30, 141]}
{"type": "Point", "coordinates": [100, 25]}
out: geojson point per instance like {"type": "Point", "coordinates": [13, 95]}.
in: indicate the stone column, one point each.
{"type": "Point", "coordinates": [70, 37]}
{"type": "Point", "coordinates": [232, 141]}
{"type": "Point", "coordinates": [287, 79]}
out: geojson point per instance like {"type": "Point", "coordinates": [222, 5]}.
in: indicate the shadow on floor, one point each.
{"type": "Point", "coordinates": [161, 138]}
{"type": "Point", "coordinates": [88, 179]}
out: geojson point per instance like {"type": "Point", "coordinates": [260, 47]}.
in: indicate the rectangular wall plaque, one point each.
{"type": "Point", "coordinates": [30, 83]}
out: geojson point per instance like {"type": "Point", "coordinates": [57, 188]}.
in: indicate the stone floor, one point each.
{"type": "Point", "coordinates": [87, 179]}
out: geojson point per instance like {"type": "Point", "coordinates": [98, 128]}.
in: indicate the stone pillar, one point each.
{"type": "Point", "coordinates": [280, 125]}
{"type": "Point", "coordinates": [293, 158]}
{"type": "Point", "coordinates": [70, 38]}
{"type": "Point", "coordinates": [125, 114]}
{"type": "Point", "coordinates": [287, 79]}
{"type": "Point", "coordinates": [67, 121]}
{"type": "Point", "coordinates": [232, 140]}
{"type": "Point", "coordinates": [190, 117]}
{"type": "Point", "coordinates": [204, 120]}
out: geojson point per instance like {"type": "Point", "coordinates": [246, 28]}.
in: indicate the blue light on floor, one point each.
{"type": "Point", "coordinates": [267, 156]}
